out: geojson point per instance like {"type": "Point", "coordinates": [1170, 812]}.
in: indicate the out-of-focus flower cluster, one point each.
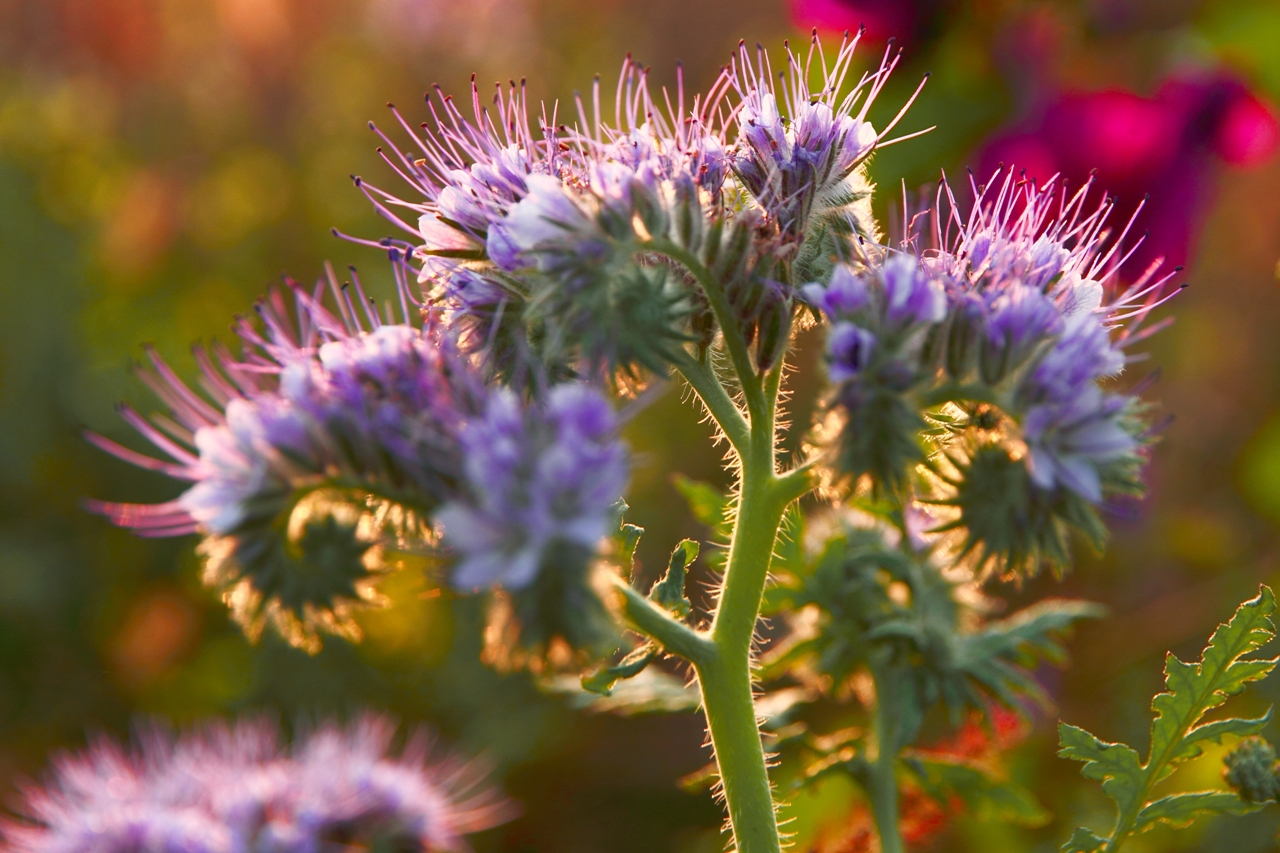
{"type": "Point", "coordinates": [233, 788]}
{"type": "Point", "coordinates": [337, 437]}
{"type": "Point", "coordinates": [993, 333]}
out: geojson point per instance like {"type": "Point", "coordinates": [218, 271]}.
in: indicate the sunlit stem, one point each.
{"type": "Point", "coordinates": [674, 636]}
{"type": "Point", "coordinates": [722, 657]}
{"type": "Point", "coordinates": [882, 780]}
{"type": "Point", "coordinates": [759, 410]}
{"type": "Point", "coordinates": [702, 379]}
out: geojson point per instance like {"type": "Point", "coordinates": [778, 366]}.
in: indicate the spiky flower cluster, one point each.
{"type": "Point", "coordinates": [557, 251]}
{"type": "Point", "coordinates": [336, 436]}
{"type": "Point", "coordinates": [542, 481]}
{"type": "Point", "coordinates": [235, 789]}
{"type": "Point", "coordinates": [1000, 329]}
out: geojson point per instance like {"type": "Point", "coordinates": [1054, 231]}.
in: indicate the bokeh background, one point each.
{"type": "Point", "coordinates": [162, 162]}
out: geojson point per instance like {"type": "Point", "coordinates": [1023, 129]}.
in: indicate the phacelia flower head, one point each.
{"type": "Point", "coordinates": [543, 485]}
{"type": "Point", "coordinates": [331, 433]}
{"type": "Point", "coordinates": [558, 240]}
{"type": "Point", "coordinates": [800, 149]}
{"type": "Point", "coordinates": [236, 789]}
{"type": "Point", "coordinates": [1000, 326]}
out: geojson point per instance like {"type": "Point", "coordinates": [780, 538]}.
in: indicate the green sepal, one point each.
{"type": "Point", "coordinates": [985, 795]}
{"type": "Point", "coordinates": [669, 591]}
{"type": "Point", "coordinates": [602, 680]}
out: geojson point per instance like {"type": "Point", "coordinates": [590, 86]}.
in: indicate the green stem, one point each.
{"type": "Point", "coordinates": [734, 342]}
{"type": "Point", "coordinates": [725, 681]}
{"type": "Point", "coordinates": [882, 777]}
{"type": "Point", "coordinates": [724, 669]}
{"type": "Point", "coordinates": [653, 621]}
{"type": "Point", "coordinates": [702, 378]}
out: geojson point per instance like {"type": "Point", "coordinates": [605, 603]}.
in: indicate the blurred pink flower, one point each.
{"type": "Point", "coordinates": [906, 20]}
{"type": "Point", "coordinates": [1163, 147]}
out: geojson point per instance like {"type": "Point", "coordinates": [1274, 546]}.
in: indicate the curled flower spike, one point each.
{"type": "Point", "coordinates": [999, 327]}
{"type": "Point", "coordinates": [801, 148]}
{"type": "Point", "coordinates": [332, 435]}
{"type": "Point", "coordinates": [565, 259]}
{"type": "Point", "coordinates": [543, 486]}
{"type": "Point", "coordinates": [235, 789]}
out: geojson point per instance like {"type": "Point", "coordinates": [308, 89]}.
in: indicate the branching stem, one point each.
{"type": "Point", "coordinates": [723, 657]}
{"type": "Point", "coordinates": [674, 636]}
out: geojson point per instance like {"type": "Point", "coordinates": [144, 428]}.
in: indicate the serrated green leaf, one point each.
{"type": "Point", "coordinates": [985, 795]}
{"type": "Point", "coordinates": [1116, 765]}
{"type": "Point", "coordinates": [1000, 657]}
{"type": "Point", "coordinates": [1194, 689]}
{"type": "Point", "coordinates": [1083, 841]}
{"type": "Point", "coordinates": [1192, 743]}
{"type": "Point", "coordinates": [1181, 810]}
{"type": "Point", "coordinates": [602, 680]}
{"type": "Point", "coordinates": [669, 591]}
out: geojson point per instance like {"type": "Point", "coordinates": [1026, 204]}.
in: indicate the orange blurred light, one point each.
{"type": "Point", "coordinates": [158, 629]}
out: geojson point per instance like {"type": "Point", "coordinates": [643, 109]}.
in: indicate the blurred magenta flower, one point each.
{"type": "Point", "coordinates": [907, 21]}
{"type": "Point", "coordinates": [1162, 147]}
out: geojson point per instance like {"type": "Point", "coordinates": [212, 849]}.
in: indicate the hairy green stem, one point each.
{"type": "Point", "coordinates": [702, 379]}
{"type": "Point", "coordinates": [727, 694]}
{"type": "Point", "coordinates": [734, 342]}
{"type": "Point", "coordinates": [651, 620]}
{"type": "Point", "coordinates": [723, 657]}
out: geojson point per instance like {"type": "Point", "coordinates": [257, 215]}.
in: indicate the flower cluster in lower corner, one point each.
{"type": "Point", "coordinates": [236, 788]}
{"type": "Point", "coordinates": [993, 334]}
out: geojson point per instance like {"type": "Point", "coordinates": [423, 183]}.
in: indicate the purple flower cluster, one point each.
{"type": "Point", "coordinates": [798, 158]}
{"type": "Point", "coordinates": [543, 244]}
{"type": "Point", "coordinates": [1013, 298]}
{"type": "Point", "coordinates": [234, 789]}
{"type": "Point", "coordinates": [334, 433]}
{"type": "Point", "coordinates": [539, 475]}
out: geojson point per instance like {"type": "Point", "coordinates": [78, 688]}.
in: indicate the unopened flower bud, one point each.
{"type": "Point", "coordinates": [1251, 769]}
{"type": "Point", "coordinates": [775, 329]}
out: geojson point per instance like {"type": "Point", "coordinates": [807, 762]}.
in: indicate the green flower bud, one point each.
{"type": "Point", "coordinates": [1251, 770]}
{"type": "Point", "coordinates": [775, 329]}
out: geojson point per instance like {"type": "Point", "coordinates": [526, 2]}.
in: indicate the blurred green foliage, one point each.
{"type": "Point", "coordinates": [163, 161]}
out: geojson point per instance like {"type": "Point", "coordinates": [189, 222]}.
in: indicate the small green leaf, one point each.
{"type": "Point", "coordinates": [627, 538]}
{"type": "Point", "coordinates": [669, 591]}
{"type": "Point", "coordinates": [1240, 727]}
{"type": "Point", "coordinates": [1181, 810]}
{"type": "Point", "coordinates": [1083, 841]}
{"type": "Point", "coordinates": [985, 795]}
{"type": "Point", "coordinates": [1117, 766]}
{"type": "Point", "coordinates": [709, 505]}
{"type": "Point", "coordinates": [603, 679]}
